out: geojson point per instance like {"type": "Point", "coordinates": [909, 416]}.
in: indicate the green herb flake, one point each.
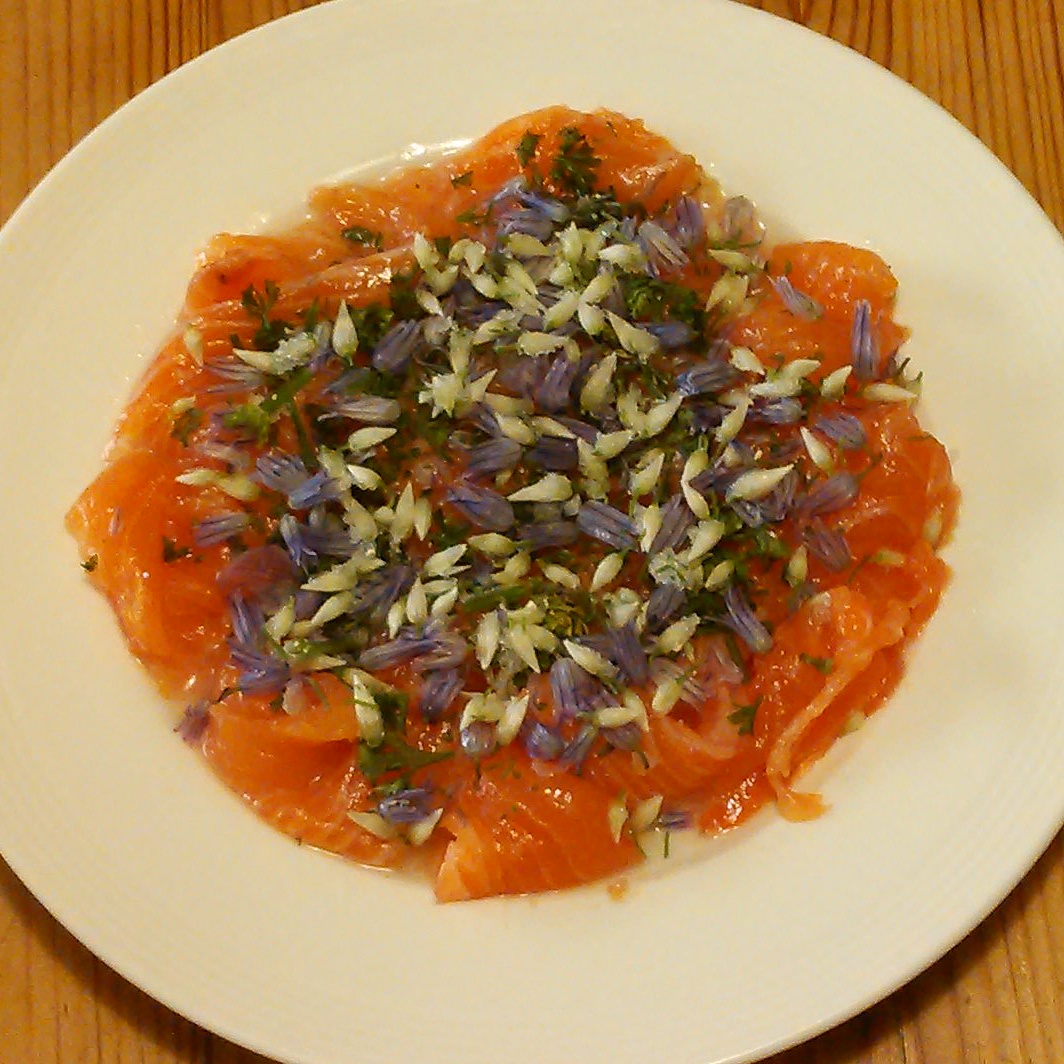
{"type": "Point", "coordinates": [250, 417]}
{"type": "Point", "coordinates": [91, 563]}
{"type": "Point", "coordinates": [824, 665]}
{"type": "Point", "coordinates": [186, 423]}
{"type": "Point", "coordinates": [474, 217]}
{"type": "Point", "coordinates": [402, 296]}
{"type": "Point", "coordinates": [526, 147]}
{"type": "Point", "coordinates": [394, 754]}
{"type": "Point", "coordinates": [172, 552]}
{"type": "Point", "coordinates": [575, 164]}
{"type": "Point", "coordinates": [462, 179]}
{"type": "Point", "coordinates": [359, 234]}
{"type": "Point", "coordinates": [652, 299]}
{"type": "Point", "coordinates": [269, 332]}
{"type": "Point", "coordinates": [743, 717]}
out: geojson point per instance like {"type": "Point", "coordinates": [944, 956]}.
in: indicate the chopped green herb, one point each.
{"type": "Point", "coordinates": [394, 754]}
{"type": "Point", "coordinates": [462, 179]}
{"type": "Point", "coordinates": [526, 147]}
{"type": "Point", "coordinates": [311, 316]}
{"type": "Point", "coordinates": [269, 332]}
{"type": "Point", "coordinates": [574, 166]}
{"type": "Point", "coordinates": [824, 665]}
{"type": "Point", "coordinates": [172, 552]}
{"type": "Point", "coordinates": [359, 234]}
{"type": "Point", "coordinates": [474, 217]}
{"type": "Point", "coordinates": [251, 418]}
{"type": "Point", "coordinates": [743, 717]}
{"type": "Point", "coordinates": [402, 297]}
{"type": "Point", "coordinates": [186, 423]}
{"type": "Point", "coordinates": [652, 299]}
{"type": "Point", "coordinates": [487, 600]}
{"type": "Point", "coordinates": [592, 210]}
{"type": "Point", "coordinates": [90, 563]}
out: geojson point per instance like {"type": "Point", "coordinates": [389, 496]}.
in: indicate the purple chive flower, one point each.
{"type": "Point", "coordinates": [709, 376]}
{"type": "Point", "coordinates": [798, 303]}
{"type": "Point", "coordinates": [665, 601]}
{"type": "Point", "coordinates": [719, 477]}
{"type": "Point", "coordinates": [689, 223]}
{"type": "Point", "coordinates": [482, 507]}
{"type": "Point", "coordinates": [438, 691]}
{"type": "Point", "coordinates": [588, 433]}
{"type": "Point", "coordinates": [627, 653]}
{"type": "Point", "coordinates": [367, 409]}
{"type": "Point", "coordinates": [607, 524]}
{"type": "Point", "coordinates": [235, 458]}
{"type": "Point", "coordinates": [785, 411]}
{"type": "Point", "coordinates": [193, 723]}
{"type": "Point", "coordinates": [316, 490]}
{"type": "Point", "coordinates": [220, 527]}
{"type": "Point", "coordinates": [520, 374]}
{"type": "Point", "coordinates": [548, 206]}
{"type": "Point", "coordinates": [492, 457]}
{"type": "Point", "coordinates": [529, 212]}
{"type": "Point", "coordinates": [280, 471]}
{"type": "Point", "coordinates": [676, 519]}
{"type": "Point", "coordinates": [246, 619]}
{"type": "Point", "coordinates": [675, 820]}
{"type": "Point", "coordinates": [397, 346]}
{"type": "Point", "coordinates": [845, 429]}
{"type": "Point", "coordinates": [404, 648]}
{"type": "Point", "coordinates": [295, 539]}
{"type": "Point", "coordinates": [832, 494]}
{"type": "Point", "coordinates": [749, 512]}
{"type": "Point", "coordinates": [307, 603]}
{"type": "Point", "coordinates": [770, 510]}
{"type": "Point", "coordinates": [327, 536]}
{"type": "Point", "coordinates": [661, 248]}
{"type": "Point", "coordinates": [578, 747]}
{"type": "Point", "coordinates": [233, 376]}
{"type": "Point", "coordinates": [448, 651]}
{"type": "Point", "coordinates": [482, 417]}
{"type": "Point", "coordinates": [259, 671]}
{"type": "Point", "coordinates": [705, 417]}
{"type": "Point", "coordinates": [565, 682]}
{"type": "Point", "coordinates": [695, 691]}
{"type": "Point", "coordinates": [624, 737]}
{"type": "Point", "coordinates": [672, 335]}
{"type": "Point", "coordinates": [740, 223]}
{"type": "Point", "coordinates": [316, 539]}
{"type": "Point", "coordinates": [266, 573]}
{"type": "Point", "coordinates": [407, 806]}
{"type": "Point", "coordinates": [546, 535]}
{"type": "Point", "coordinates": [864, 344]}
{"type": "Point", "coordinates": [475, 315]}
{"type": "Point", "coordinates": [552, 392]}
{"type": "Point", "coordinates": [540, 742]}
{"type": "Point", "coordinates": [741, 619]}
{"type": "Point", "coordinates": [575, 692]}
{"type": "Point", "coordinates": [518, 219]}
{"type": "Point", "coordinates": [382, 590]}
{"type": "Point", "coordinates": [828, 545]}
{"type": "Point", "coordinates": [555, 454]}
{"type": "Point", "coordinates": [477, 739]}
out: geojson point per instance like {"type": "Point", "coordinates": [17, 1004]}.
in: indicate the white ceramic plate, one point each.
{"type": "Point", "coordinates": [750, 944]}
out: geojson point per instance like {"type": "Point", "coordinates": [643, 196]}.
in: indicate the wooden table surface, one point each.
{"type": "Point", "coordinates": [997, 65]}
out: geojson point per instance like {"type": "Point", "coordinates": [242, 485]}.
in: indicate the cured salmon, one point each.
{"type": "Point", "coordinates": [521, 504]}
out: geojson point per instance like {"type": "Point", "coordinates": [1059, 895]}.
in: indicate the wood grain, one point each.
{"type": "Point", "coordinates": [997, 65]}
